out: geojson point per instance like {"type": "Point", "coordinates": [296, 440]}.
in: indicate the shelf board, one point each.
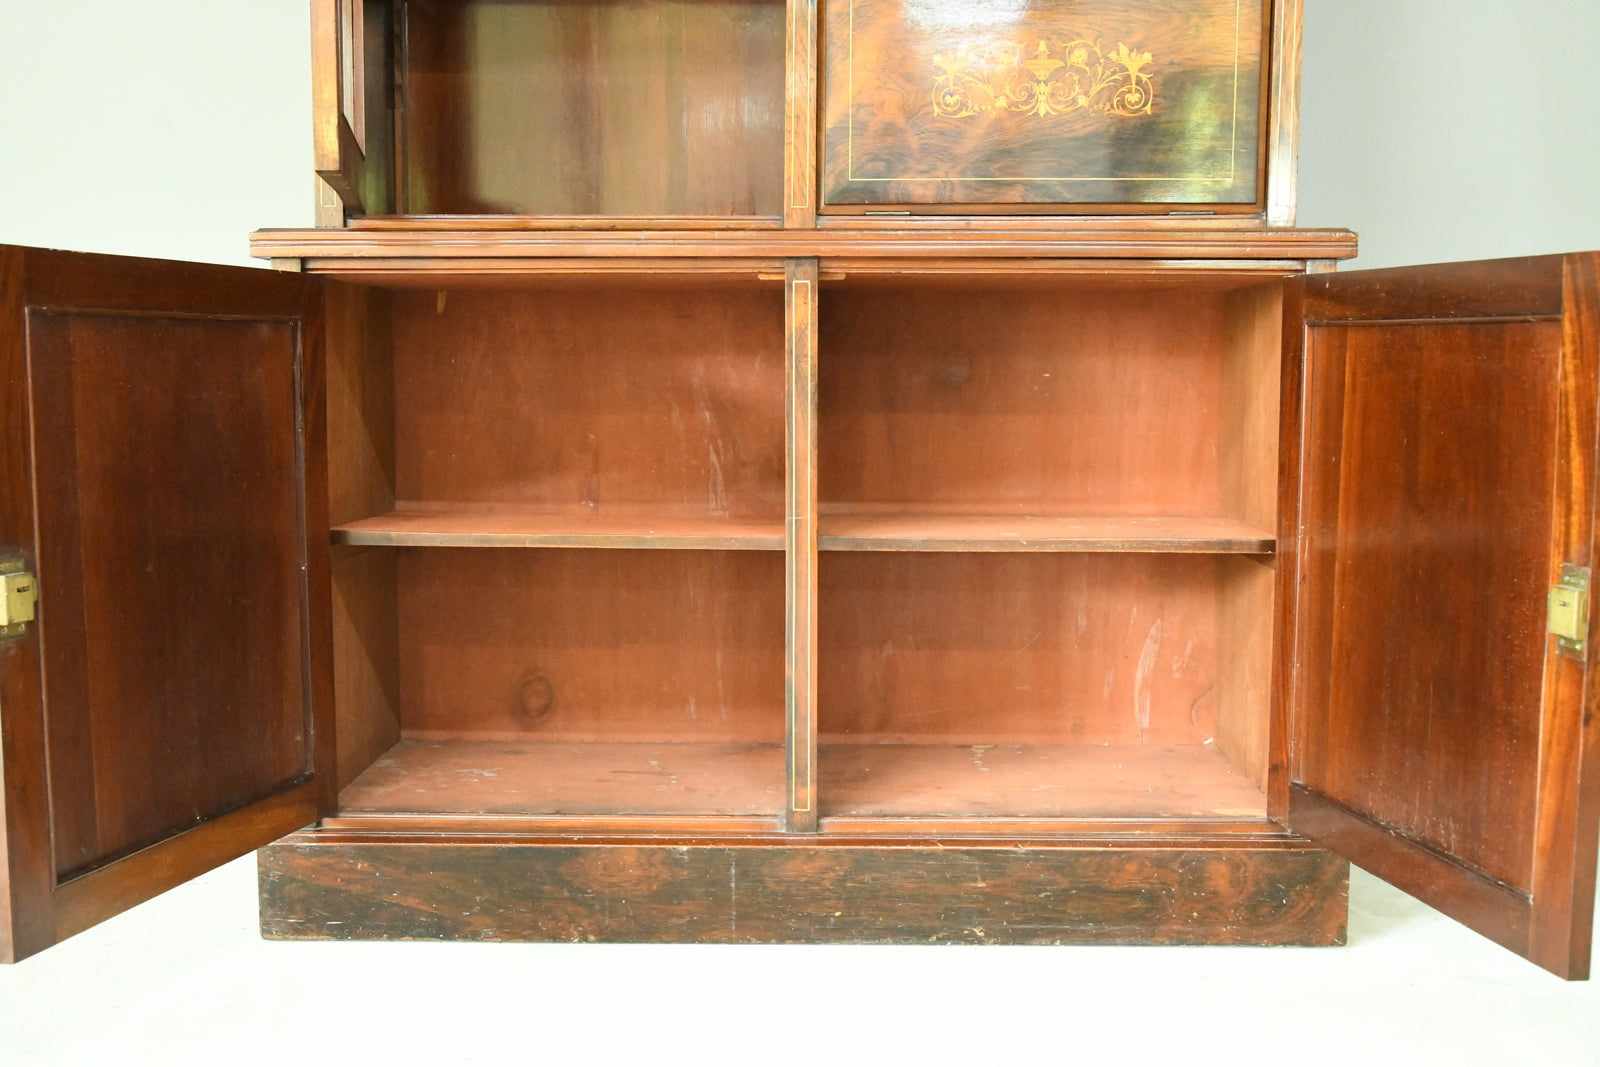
{"type": "Point", "coordinates": [469, 527]}
{"type": "Point", "coordinates": [1037, 781]}
{"type": "Point", "coordinates": [563, 778]}
{"type": "Point", "coordinates": [918, 531]}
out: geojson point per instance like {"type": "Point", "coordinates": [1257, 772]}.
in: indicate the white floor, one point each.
{"type": "Point", "coordinates": [185, 980]}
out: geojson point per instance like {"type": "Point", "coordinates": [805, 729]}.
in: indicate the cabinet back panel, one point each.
{"type": "Point", "coordinates": [591, 107]}
{"type": "Point", "coordinates": [177, 688]}
{"type": "Point", "coordinates": [588, 645]}
{"type": "Point", "coordinates": [1047, 649]}
{"type": "Point", "coordinates": [666, 401]}
{"type": "Point", "coordinates": [1031, 401]}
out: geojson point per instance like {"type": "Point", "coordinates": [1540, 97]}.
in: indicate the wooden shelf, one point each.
{"type": "Point", "coordinates": [1039, 781]}
{"type": "Point", "coordinates": [552, 777]}
{"type": "Point", "coordinates": [855, 530]}
{"type": "Point", "coordinates": [468, 527]}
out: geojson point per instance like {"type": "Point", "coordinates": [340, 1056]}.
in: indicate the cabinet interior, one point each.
{"type": "Point", "coordinates": [606, 107]}
{"type": "Point", "coordinates": [1045, 527]}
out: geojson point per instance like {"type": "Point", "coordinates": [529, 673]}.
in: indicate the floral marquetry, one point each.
{"type": "Point", "coordinates": [1045, 107]}
{"type": "Point", "coordinates": [1077, 76]}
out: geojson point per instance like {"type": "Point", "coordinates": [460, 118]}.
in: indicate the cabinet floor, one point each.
{"type": "Point", "coordinates": [508, 777]}
{"type": "Point", "coordinates": [1042, 781]}
{"type": "Point", "coordinates": [553, 777]}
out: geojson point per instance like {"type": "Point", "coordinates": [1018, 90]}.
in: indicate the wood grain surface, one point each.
{"type": "Point", "coordinates": [424, 250]}
{"type": "Point", "coordinates": [574, 527]}
{"type": "Point", "coordinates": [211, 534]}
{"type": "Point", "coordinates": [1039, 649]}
{"type": "Point", "coordinates": [1075, 400]}
{"type": "Point", "coordinates": [1109, 102]}
{"type": "Point", "coordinates": [775, 890]}
{"type": "Point", "coordinates": [548, 777]}
{"type": "Point", "coordinates": [592, 400]}
{"type": "Point", "coordinates": [1035, 781]}
{"type": "Point", "coordinates": [170, 707]}
{"type": "Point", "coordinates": [584, 645]}
{"type": "Point", "coordinates": [674, 107]}
{"type": "Point", "coordinates": [845, 528]}
{"type": "Point", "coordinates": [1444, 476]}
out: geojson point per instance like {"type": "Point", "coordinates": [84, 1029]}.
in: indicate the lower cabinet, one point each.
{"type": "Point", "coordinates": [1032, 600]}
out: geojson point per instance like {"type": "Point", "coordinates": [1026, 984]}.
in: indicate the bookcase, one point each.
{"type": "Point", "coordinates": [733, 470]}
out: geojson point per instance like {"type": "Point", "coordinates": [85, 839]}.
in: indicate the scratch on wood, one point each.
{"type": "Point", "coordinates": [1141, 679]}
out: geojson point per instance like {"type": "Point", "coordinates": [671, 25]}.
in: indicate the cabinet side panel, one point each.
{"type": "Point", "coordinates": [361, 463]}
{"type": "Point", "coordinates": [1252, 353]}
{"type": "Point", "coordinates": [1244, 664]}
{"type": "Point", "coordinates": [366, 655]}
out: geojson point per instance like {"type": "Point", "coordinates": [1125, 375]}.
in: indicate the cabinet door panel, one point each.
{"type": "Point", "coordinates": [158, 715]}
{"type": "Point", "coordinates": [1441, 476]}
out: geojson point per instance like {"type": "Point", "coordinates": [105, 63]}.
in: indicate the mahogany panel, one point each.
{"type": "Point", "coordinates": [168, 492]}
{"type": "Point", "coordinates": [169, 707]}
{"type": "Point", "coordinates": [546, 777]}
{"type": "Point", "coordinates": [1110, 102]}
{"type": "Point", "coordinates": [1445, 475]}
{"type": "Point", "coordinates": [652, 399]}
{"type": "Point", "coordinates": [1076, 400]}
{"type": "Point", "coordinates": [771, 890]}
{"type": "Point", "coordinates": [1500, 912]}
{"type": "Point", "coordinates": [1429, 516]}
{"type": "Point", "coordinates": [1037, 649]}
{"type": "Point", "coordinates": [578, 645]}
{"type": "Point", "coordinates": [1035, 781]}
{"type": "Point", "coordinates": [551, 107]}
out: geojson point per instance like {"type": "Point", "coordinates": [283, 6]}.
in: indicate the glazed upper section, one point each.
{"type": "Point", "coordinates": [725, 114]}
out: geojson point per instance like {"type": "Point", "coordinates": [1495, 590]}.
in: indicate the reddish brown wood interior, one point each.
{"type": "Point", "coordinates": [1090, 676]}
{"type": "Point", "coordinates": [1078, 398]}
{"type": "Point", "coordinates": [654, 402]}
{"type": "Point", "coordinates": [1445, 437]}
{"type": "Point", "coordinates": [626, 418]}
{"type": "Point", "coordinates": [171, 492]}
{"type": "Point", "coordinates": [601, 107]}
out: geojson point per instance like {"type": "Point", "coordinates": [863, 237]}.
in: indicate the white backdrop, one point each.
{"type": "Point", "coordinates": [1436, 128]}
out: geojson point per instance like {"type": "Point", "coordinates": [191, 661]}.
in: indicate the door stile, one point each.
{"type": "Point", "coordinates": [800, 548]}
{"type": "Point", "coordinates": [800, 123]}
{"type": "Point", "coordinates": [1567, 828]}
{"type": "Point", "coordinates": [27, 877]}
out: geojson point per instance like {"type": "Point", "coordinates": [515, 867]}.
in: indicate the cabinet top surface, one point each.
{"type": "Point", "coordinates": [1099, 242]}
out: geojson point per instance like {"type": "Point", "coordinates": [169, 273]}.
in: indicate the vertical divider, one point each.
{"type": "Point", "coordinates": [799, 129]}
{"type": "Point", "coordinates": [800, 541]}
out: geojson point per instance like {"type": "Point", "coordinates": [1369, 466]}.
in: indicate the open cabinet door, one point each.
{"type": "Point", "coordinates": [351, 70]}
{"type": "Point", "coordinates": [1438, 523]}
{"type": "Point", "coordinates": [161, 488]}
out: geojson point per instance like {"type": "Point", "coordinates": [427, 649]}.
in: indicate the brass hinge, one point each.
{"type": "Point", "coordinates": [1569, 611]}
{"type": "Point", "coordinates": [19, 593]}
